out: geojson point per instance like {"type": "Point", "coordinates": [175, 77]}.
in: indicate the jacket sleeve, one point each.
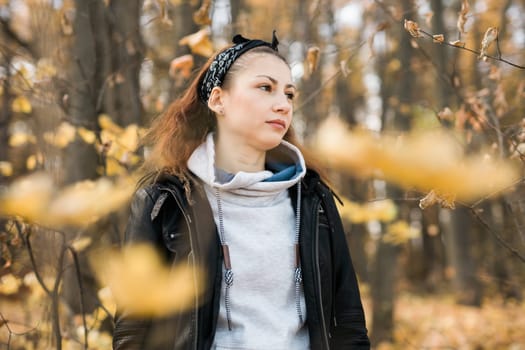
{"type": "Point", "coordinates": [349, 330]}
{"type": "Point", "coordinates": [130, 333]}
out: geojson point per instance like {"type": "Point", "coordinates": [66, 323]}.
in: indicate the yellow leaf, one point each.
{"type": "Point", "coordinates": [106, 123]}
{"type": "Point", "coordinates": [199, 42]}
{"type": "Point", "coordinates": [6, 168]}
{"type": "Point", "coordinates": [27, 197]}
{"type": "Point", "coordinates": [9, 284]}
{"type": "Point", "coordinates": [107, 299]}
{"type": "Point", "coordinates": [64, 135]}
{"type": "Point", "coordinates": [413, 28]}
{"type": "Point", "coordinates": [82, 243]}
{"type": "Point", "coordinates": [21, 105]}
{"type": "Point", "coordinates": [182, 64]}
{"type": "Point", "coordinates": [113, 167]}
{"type": "Point", "coordinates": [87, 135]}
{"type": "Point", "coordinates": [490, 35]}
{"type": "Point", "coordinates": [420, 160]}
{"type": "Point", "coordinates": [129, 139]}
{"type": "Point", "coordinates": [383, 210]}
{"type": "Point", "coordinates": [145, 286]}
{"type": "Point", "coordinates": [400, 232]}
{"type": "Point", "coordinates": [21, 138]}
{"type": "Point", "coordinates": [80, 204]}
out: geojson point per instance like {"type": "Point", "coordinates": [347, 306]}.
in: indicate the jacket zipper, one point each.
{"type": "Point", "coordinates": [317, 275]}
{"type": "Point", "coordinates": [195, 311]}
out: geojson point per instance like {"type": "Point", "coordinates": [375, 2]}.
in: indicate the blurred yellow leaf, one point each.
{"type": "Point", "coordinates": [145, 286]}
{"type": "Point", "coordinates": [81, 243]}
{"type": "Point", "coordinates": [64, 135]}
{"type": "Point", "coordinates": [21, 138]}
{"type": "Point", "coordinates": [33, 160]}
{"type": "Point", "coordinates": [424, 161]}
{"type": "Point", "coordinates": [129, 139]}
{"type": "Point", "coordinates": [106, 123]}
{"type": "Point", "coordinates": [400, 232]}
{"type": "Point", "coordinates": [462, 16]}
{"type": "Point", "coordinates": [36, 199]}
{"type": "Point", "coordinates": [113, 167]}
{"type": "Point", "coordinates": [182, 64]}
{"type": "Point", "coordinates": [87, 135]}
{"type": "Point", "coordinates": [6, 168]}
{"type": "Point", "coordinates": [383, 210]}
{"type": "Point", "coordinates": [106, 298]}
{"type": "Point", "coordinates": [27, 197]}
{"type": "Point", "coordinates": [9, 284]}
{"type": "Point", "coordinates": [490, 35]}
{"type": "Point", "coordinates": [413, 28]}
{"type": "Point", "coordinates": [21, 105]}
{"type": "Point", "coordinates": [45, 69]}
{"type": "Point", "coordinates": [199, 42]}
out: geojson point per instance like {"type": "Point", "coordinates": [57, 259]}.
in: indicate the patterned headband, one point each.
{"type": "Point", "coordinates": [223, 61]}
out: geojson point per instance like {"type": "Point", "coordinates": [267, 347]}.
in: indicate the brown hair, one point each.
{"type": "Point", "coordinates": [176, 133]}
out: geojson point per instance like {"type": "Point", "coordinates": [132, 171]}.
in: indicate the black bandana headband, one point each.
{"type": "Point", "coordinates": [222, 62]}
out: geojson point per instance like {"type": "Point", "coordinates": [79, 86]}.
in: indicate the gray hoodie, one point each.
{"type": "Point", "coordinates": [262, 302]}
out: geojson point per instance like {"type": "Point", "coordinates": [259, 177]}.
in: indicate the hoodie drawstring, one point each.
{"type": "Point", "coordinates": [298, 275]}
{"type": "Point", "coordinates": [228, 274]}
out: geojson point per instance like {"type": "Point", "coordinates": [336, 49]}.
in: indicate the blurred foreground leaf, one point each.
{"type": "Point", "coordinates": [142, 285]}
{"type": "Point", "coordinates": [38, 200]}
{"type": "Point", "coordinates": [424, 161]}
{"type": "Point", "coordinates": [383, 210]}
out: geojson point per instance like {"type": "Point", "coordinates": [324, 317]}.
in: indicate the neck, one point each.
{"type": "Point", "coordinates": [234, 156]}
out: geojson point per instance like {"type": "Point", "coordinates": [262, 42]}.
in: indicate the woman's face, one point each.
{"type": "Point", "coordinates": [257, 103]}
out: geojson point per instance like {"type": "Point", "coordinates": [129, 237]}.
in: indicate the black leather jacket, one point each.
{"type": "Point", "coordinates": [184, 233]}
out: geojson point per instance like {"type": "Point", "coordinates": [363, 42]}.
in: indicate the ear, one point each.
{"type": "Point", "coordinates": [215, 102]}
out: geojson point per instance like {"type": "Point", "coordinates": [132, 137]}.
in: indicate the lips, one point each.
{"type": "Point", "coordinates": [277, 123]}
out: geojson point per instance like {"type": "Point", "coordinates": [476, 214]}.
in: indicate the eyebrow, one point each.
{"type": "Point", "coordinates": [274, 81]}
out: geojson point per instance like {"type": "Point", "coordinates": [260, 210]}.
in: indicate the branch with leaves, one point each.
{"type": "Point", "coordinates": [490, 36]}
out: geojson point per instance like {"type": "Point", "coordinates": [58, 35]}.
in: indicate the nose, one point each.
{"type": "Point", "coordinates": [282, 105]}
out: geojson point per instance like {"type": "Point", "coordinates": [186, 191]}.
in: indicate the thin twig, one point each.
{"type": "Point", "coordinates": [497, 236]}
{"type": "Point", "coordinates": [82, 306]}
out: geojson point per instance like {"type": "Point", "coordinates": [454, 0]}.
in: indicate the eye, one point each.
{"type": "Point", "coordinates": [290, 95]}
{"type": "Point", "coordinates": [265, 87]}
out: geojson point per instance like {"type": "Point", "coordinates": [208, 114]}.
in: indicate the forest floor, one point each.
{"type": "Point", "coordinates": [437, 322]}
{"type": "Point", "coordinates": [421, 322]}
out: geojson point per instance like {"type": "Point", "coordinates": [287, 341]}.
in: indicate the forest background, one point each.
{"type": "Point", "coordinates": [416, 107]}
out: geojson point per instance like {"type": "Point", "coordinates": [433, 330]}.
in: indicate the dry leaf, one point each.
{"type": "Point", "coordinates": [434, 197]}
{"type": "Point", "coordinates": [490, 35]}
{"type": "Point", "coordinates": [462, 16]}
{"type": "Point", "coordinates": [438, 38]}
{"type": "Point", "coordinates": [446, 114]}
{"type": "Point", "coordinates": [199, 42]}
{"type": "Point", "coordinates": [21, 105]}
{"type": "Point", "coordinates": [202, 15]}
{"type": "Point", "coordinates": [413, 28]}
{"type": "Point", "coordinates": [312, 58]}
{"type": "Point", "coordinates": [182, 64]}
{"type": "Point", "coordinates": [457, 43]}
{"type": "Point", "coordinates": [143, 285]}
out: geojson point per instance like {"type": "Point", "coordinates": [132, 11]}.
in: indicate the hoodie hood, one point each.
{"type": "Point", "coordinates": [285, 167]}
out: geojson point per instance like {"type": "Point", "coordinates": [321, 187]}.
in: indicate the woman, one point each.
{"type": "Point", "coordinates": [236, 197]}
